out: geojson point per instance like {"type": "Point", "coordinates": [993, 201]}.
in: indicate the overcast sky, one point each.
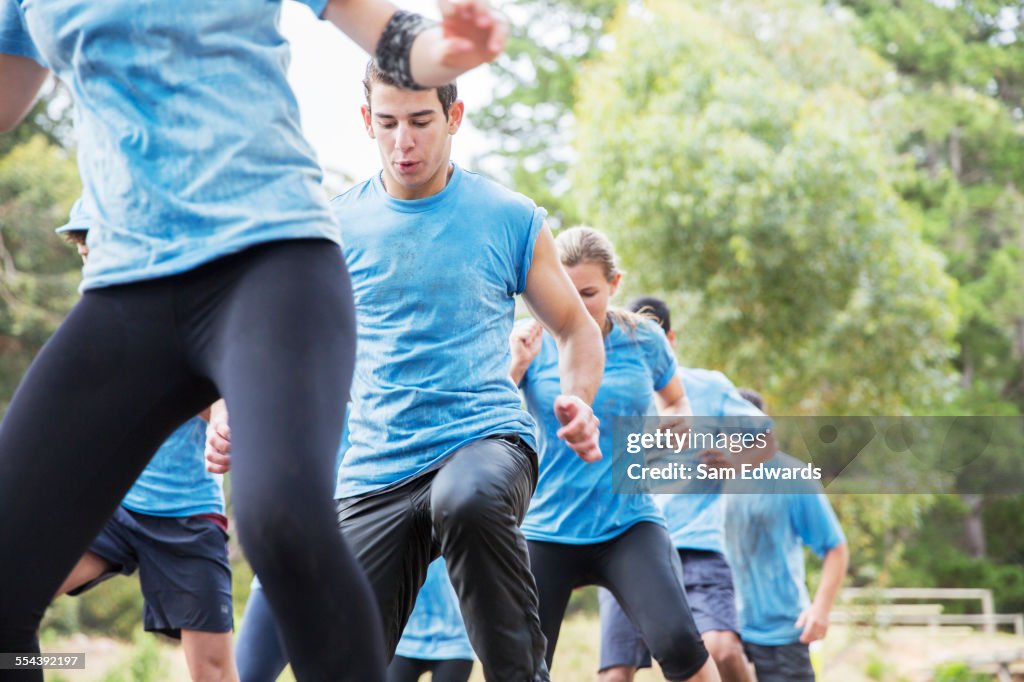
{"type": "Point", "coordinates": [326, 73]}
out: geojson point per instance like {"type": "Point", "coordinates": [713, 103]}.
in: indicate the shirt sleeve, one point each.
{"type": "Point", "coordinates": [318, 6]}
{"type": "Point", "coordinates": [815, 522]}
{"type": "Point", "coordinates": [14, 36]}
{"type": "Point", "coordinates": [536, 223]}
{"type": "Point", "coordinates": [660, 357]}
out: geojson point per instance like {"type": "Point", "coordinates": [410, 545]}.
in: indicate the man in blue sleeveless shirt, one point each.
{"type": "Point", "coordinates": [441, 456]}
{"type": "Point", "coordinates": [765, 538]}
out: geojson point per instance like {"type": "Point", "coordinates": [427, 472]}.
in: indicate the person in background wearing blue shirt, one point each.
{"type": "Point", "coordinates": [441, 459]}
{"type": "Point", "coordinates": [214, 271]}
{"type": "Point", "coordinates": [765, 535]}
{"type": "Point", "coordinates": [171, 527]}
{"type": "Point", "coordinates": [435, 638]}
{"type": "Point", "coordinates": [580, 532]}
{"type": "Point", "coordinates": [696, 527]}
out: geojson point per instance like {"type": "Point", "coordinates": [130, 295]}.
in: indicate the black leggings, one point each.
{"type": "Point", "coordinates": [271, 329]}
{"type": "Point", "coordinates": [642, 569]}
{"type": "Point", "coordinates": [404, 669]}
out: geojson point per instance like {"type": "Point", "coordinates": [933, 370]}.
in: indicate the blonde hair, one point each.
{"type": "Point", "coordinates": [586, 245]}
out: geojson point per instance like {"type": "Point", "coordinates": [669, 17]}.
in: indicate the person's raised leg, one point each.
{"type": "Point", "coordinates": [274, 326]}
{"type": "Point", "coordinates": [727, 651]}
{"type": "Point", "coordinates": [478, 499]}
{"type": "Point", "coordinates": [652, 595]}
{"type": "Point", "coordinates": [89, 568]}
{"type": "Point", "coordinates": [105, 391]}
{"type": "Point", "coordinates": [209, 656]}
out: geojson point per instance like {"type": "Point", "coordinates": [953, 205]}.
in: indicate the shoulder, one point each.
{"type": "Point", "coordinates": [353, 196]}
{"type": "Point", "coordinates": [648, 334]}
{"type": "Point", "coordinates": [711, 378]}
{"type": "Point", "coordinates": [488, 191]}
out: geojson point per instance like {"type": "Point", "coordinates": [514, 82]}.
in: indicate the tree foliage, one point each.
{"type": "Point", "coordinates": [38, 273]}
{"type": "Point", "coordinates": [724, 167]}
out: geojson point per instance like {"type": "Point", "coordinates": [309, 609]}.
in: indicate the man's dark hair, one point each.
{"type": "Point", "coordinates": [653, 307]}
{"type": "Point", "coordinates": [446, 93]}
{"type": "Point", "coordinates": [752, 397]}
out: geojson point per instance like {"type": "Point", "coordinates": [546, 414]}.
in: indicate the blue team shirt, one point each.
{"type": "Point", "coordinates": [574, 502]}
{"type": "Point", "coordinates": [189, 145]}
{"type": "Point", "coordinates": [764, 539]}
{"type": "Point", "coordinates": [434, 281]}
{"type": "Point", "coordinates": [176, 482]}
{"type": "Point", "coordinates": [695, 520]}
{"type": "Point", "coordinates": [435, 631]}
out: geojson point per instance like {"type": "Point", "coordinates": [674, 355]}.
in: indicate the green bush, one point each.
{"type": "Point", "coordinates": [144, 664]}
{"type": "Point", "coordinates": [113, 609]}
{"type": "Point", "coordinates": [958, 672]}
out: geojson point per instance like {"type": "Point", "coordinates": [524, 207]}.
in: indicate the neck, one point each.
{"type": "Point", "coordinates": [428, 189]}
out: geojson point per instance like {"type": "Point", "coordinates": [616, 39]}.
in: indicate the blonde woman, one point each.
{"type": "Point", "coordinates": [578, 531]}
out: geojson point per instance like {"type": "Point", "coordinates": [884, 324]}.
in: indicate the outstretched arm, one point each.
{"type": "Point", "coordinates": [20, 80]}
{"type": "Point", "coordinates": [553, 300]}
{"type": "Point", "coordinates": [469, 35]}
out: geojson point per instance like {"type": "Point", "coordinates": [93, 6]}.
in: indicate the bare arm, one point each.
{"type": "Point", "coordinates": [814, 619]}
{"type": "Point", "coordinates": [20, 80]}
{"type": "Point", "coordinates": [672, 400]}
{"type": "Point", "coordinates": [553, 300]}
{"type": "Point", "coordinates": [469, 35]}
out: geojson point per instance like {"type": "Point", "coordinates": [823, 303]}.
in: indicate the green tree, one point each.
{"type": "Point", "coordinates": [724, 167]}
{"type": "Point", "coordinates": [531, 116]}
{"type": "Point", "coordinates": [38, 273]}
{"type": "Point", "coordinates": [962, 66]}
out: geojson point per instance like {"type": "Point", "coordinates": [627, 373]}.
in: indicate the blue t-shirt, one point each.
{"type": "Point", "coordinates": [176, 482]}
{"type": "Point", "coordinates": [574, 502]}
{"type": "Point", "coordinates": [189, 145]}
{"type": "Point", "coordinates": [695, 519]}
{"type": "Point", "coordinates": [434, 282]}
{"type": "Point", "coordinates": [435, 631]}
{"type": "Point", "coordinates": [764, 538]}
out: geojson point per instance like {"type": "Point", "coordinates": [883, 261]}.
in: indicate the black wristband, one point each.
{"type": "Point", "coordinates": [395, 47]}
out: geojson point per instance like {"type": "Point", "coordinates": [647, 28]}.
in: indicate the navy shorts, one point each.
{"type": "Point", "coordinates": [183, 569]}
{"type": "Point", "coordinates": [783, 663]}
{"type": "Point", "coordinates": [709, 591]}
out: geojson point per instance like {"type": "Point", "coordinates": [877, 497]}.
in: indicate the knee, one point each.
{"type": "Point", "coordinates": [676, 649]}
{"type": "Point", "coordinates": [725, 648]}
{"type": "Point", "coordinates": [274, 536]}
{"type": "Point", "coordinates": [215, 671]}
{"type": "Point", "coordinates": [464, 508]}
{"type": "Point", "coordinates": [619, 673]}
{"type": "Point", "coordinates": [213, 664]}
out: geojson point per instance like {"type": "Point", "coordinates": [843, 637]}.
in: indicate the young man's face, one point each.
{"type": "Point", "coordinates": [414, 138]}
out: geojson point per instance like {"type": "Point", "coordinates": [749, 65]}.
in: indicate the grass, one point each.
{"type": "Point", "coordinates": [849, 655]}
